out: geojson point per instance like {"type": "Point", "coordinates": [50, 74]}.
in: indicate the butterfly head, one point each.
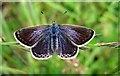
{"type": "Point", "coordinates": [53, 24]}
{"type": "Point", "coordinates": [54, 27]}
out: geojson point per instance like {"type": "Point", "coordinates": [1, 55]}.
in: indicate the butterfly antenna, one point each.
{"type": "Point", "coordinates": [51, 18]}
{"type": "Point", "coordinates": [42, 12]}
{"type": "Point", "coordinates": [65, 12]}
{"type": "Point", "coordinates": [43, 19]}
{"type": "Point", "coordinates": [62, 17]}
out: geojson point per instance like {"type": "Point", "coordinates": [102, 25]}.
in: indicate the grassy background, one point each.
{"type": "Point", "coordinates": [101, 16]}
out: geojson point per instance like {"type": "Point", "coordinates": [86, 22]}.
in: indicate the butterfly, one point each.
{"type": "Point", "coordinates": [64, 39]}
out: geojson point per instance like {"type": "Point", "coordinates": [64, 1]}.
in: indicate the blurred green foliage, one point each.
{"type": "Point", "coordinates": [100, 16]}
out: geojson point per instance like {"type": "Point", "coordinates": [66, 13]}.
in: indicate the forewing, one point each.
{"type": "Point", "coordinates": [43, 48]}
{"type": "Point", "coordinates": [79, 35]}
{"type": "Point", "coordinates": [30, 35]}
{"type": "Point", "coordinates": [66, 50]}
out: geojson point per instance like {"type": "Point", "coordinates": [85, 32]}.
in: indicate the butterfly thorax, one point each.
{"type": "Point", "coordinates": [53, 27]}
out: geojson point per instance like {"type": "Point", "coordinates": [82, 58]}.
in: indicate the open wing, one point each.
{"type": "Point", "coordinates": [43, 50]}
{"type": "Point", "coordinates": [79, 35]}
{"type": "Point", "coordinates": [29, 36]}
{"type": "Point", "coordinates": [66, 49]}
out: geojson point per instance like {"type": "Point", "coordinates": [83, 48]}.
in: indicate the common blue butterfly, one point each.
{"type": "Point", "coordinates": [64, 39]}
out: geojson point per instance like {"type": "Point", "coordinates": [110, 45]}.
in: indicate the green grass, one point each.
{"type": "Point", "coordinates": [101, 16]}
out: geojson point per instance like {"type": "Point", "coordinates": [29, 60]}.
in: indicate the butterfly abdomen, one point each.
{"type": "Point", "coordinates": [54, 35]}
